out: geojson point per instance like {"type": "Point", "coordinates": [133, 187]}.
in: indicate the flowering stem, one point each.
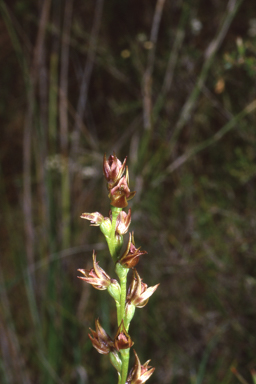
{"type": "Point", "coordinates": [138, 293]}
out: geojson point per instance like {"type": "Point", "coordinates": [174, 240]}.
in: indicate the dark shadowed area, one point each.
{"type": "Point", "coordinates": [171, 85]}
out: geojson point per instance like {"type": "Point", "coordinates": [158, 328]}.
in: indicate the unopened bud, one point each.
{"type": "Point", "coordinates": [113, 169]}
{"type": "Point", "coordinates": [129, 313]}
{"type": "Point", "coordinates": [105, 226]}
{"type": "Point", "coordinates": [114, 290]}
{"type": "Point", "coordinates": [121, 271]}
{"type": "Point", "coordinates": [115, 361]}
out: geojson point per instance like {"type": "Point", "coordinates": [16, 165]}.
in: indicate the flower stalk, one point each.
{"type": "Point", "coordinates": [114, 228]}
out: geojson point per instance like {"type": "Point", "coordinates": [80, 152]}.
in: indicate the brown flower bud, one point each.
{"type": "Point", "coordinates": [113, 169]}
{"type": "Point", "coordinates": [118, 185]}
{"type": "Point", "coordinates": [101, 340]}
{"type": "Point", "coordinates": [122, 222]}
{"type": "Point", "coordinates": [139, 373]}
{"type": "Point", "coordinates": [131, 255]}
{"type": "Point", "coordinates": [120, 192]}
{"type": "Point", "coordinates": [97, 277]}
{"type": "Point", "coordinates": [138, 292]}
{"type": "Point", "coordinates": [122, 340]}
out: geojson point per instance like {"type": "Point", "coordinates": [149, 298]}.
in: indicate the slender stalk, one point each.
{"type": "Point", "coordinates": [123, 282]}
{"type": "Point", "coordinates": [9, 343]}
{"type": "Point", "coordinates": [118, 313]}
{"type": "Point", "coordinates": [63, 113]}
{"type": "Point", "coordinates": [125, 354]}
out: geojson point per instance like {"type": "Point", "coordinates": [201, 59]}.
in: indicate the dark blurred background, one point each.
{"type": "Point", "coordinates": [172, 85]}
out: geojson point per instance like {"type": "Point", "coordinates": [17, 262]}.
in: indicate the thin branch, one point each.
{"type": "Point", "coordinates": [11, 351]}
{"type": "Point", "coordinates": [83, 96]}
{"type": "Point", "coordinates": [63, 254]}
{"type": "Point", "coordinates": [209, 55]}
{"type": "Point", "coordinates": [205, 144]}
{"type": "Point", "coordinates": [27, 160]}
{"type": "Point", "coordinates": [173, 58]}
{"type": "Point", "coordinates": [64, 76]}
{"type": "Point", "coordinates": [147, 78]}
{"type": "Point", "coordinates": [63, 109]}
{"type": "Point", "coordinates": [12, 27]}
{"type": "Point", "coordinates": [37, 56]}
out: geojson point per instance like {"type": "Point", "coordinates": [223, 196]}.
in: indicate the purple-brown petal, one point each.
{"type": "Point", "coordinates": [122, 222]}
{"type": "Point", "coordinates": [95, 218]}
{"type": "Point", "coordinates": [113, 168]}
{"type": "Point", "coordinates": [100, 339]}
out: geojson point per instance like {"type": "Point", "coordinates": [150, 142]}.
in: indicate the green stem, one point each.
{"type": "Point", "coordinates": [119, 319]}
{"type": "Point", "coordinates": [125, 355]}
{"type": "Point", "coordinates": [123, 297]}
